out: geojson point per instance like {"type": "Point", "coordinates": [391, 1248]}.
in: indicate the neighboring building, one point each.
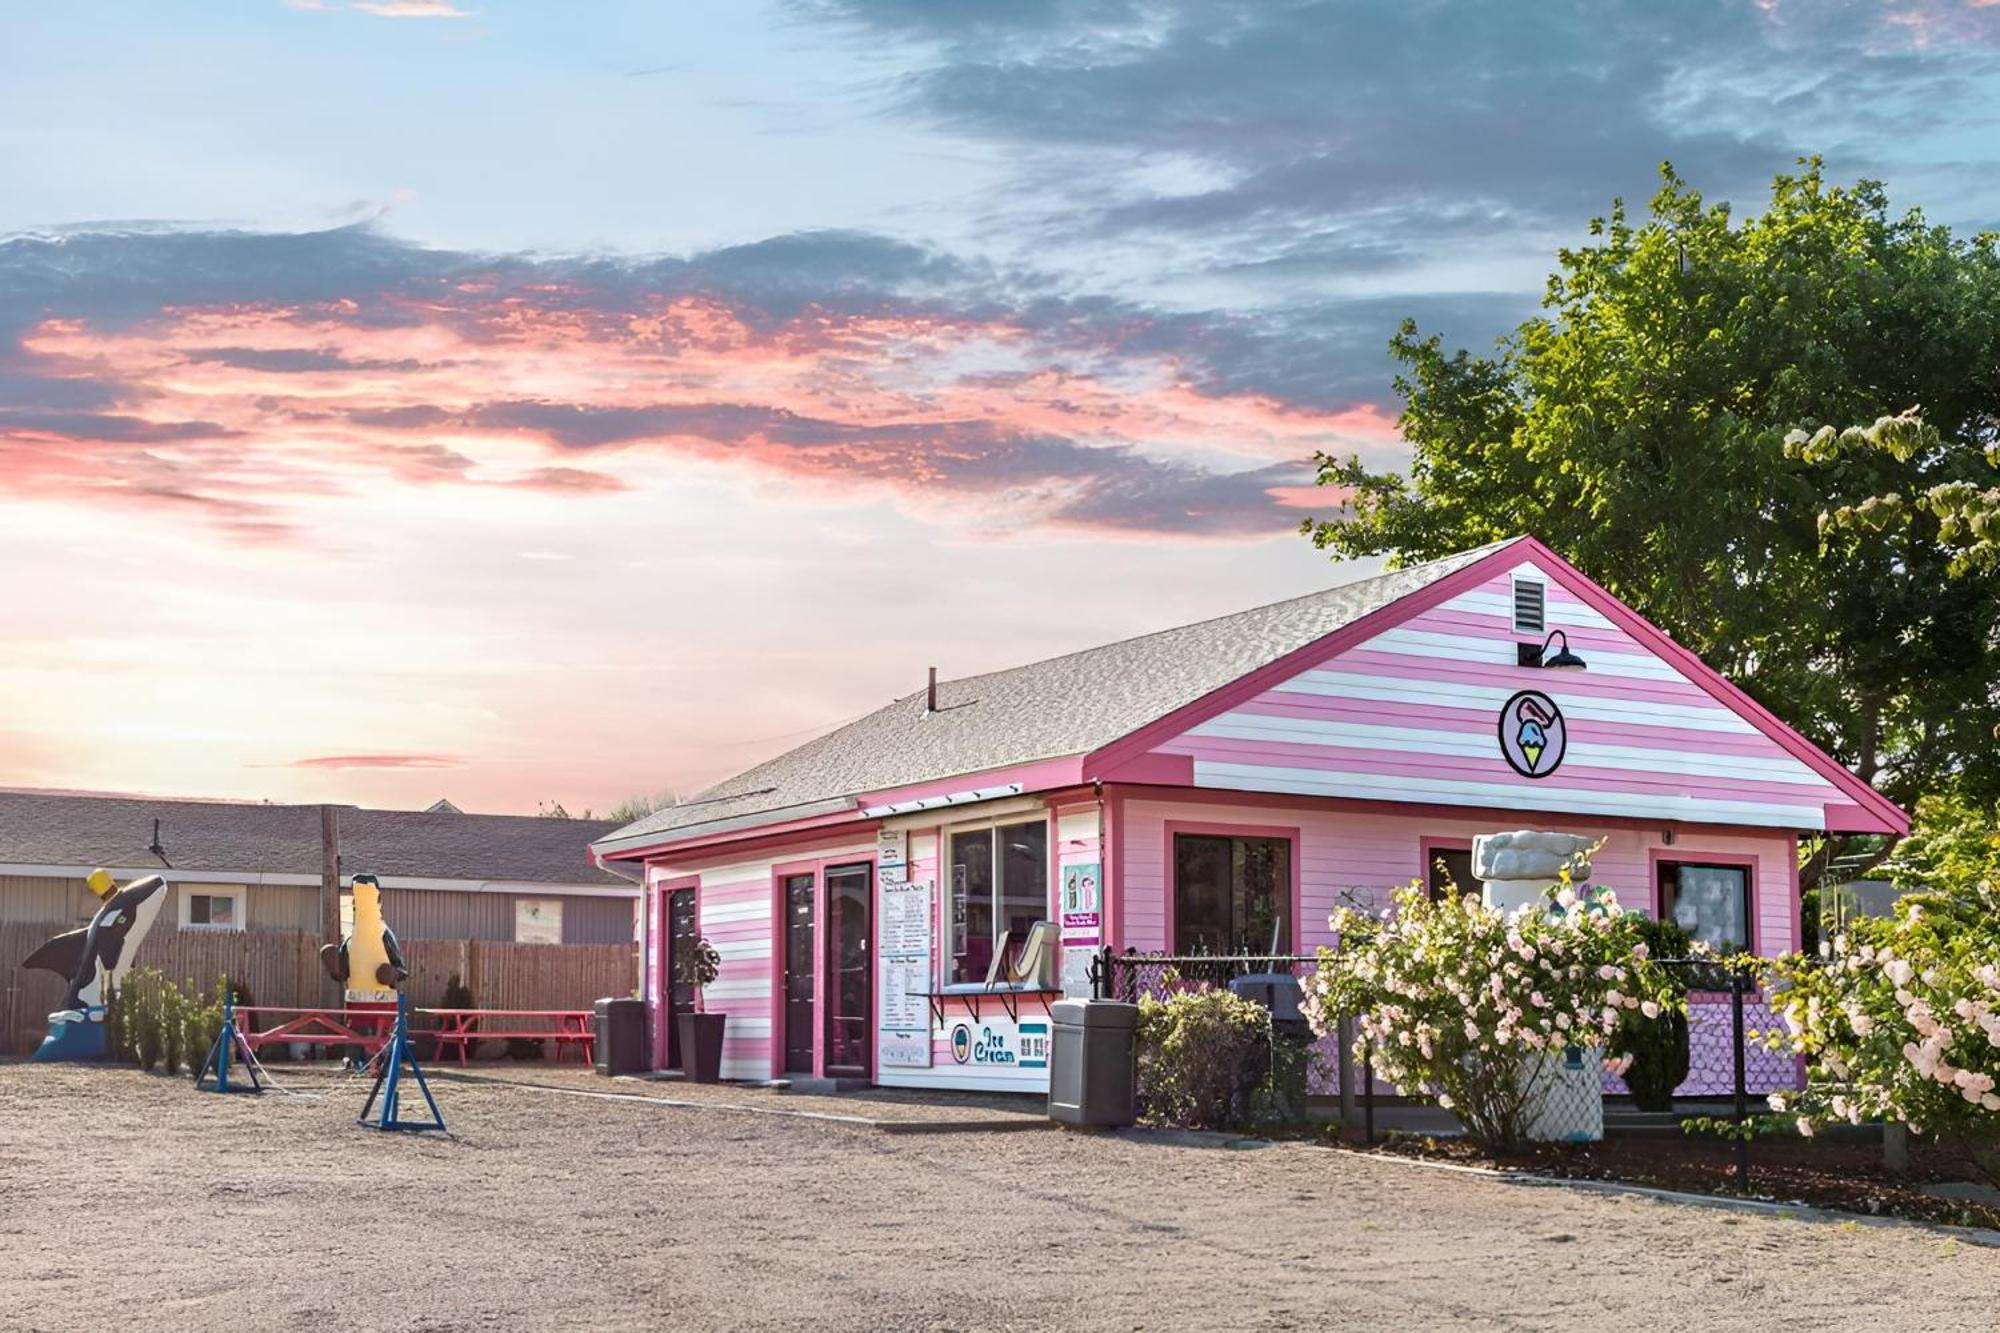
{"type": "Point", "coordinates": [236, 865]}
{"type": "Point", "coordinates": [1216, 788]}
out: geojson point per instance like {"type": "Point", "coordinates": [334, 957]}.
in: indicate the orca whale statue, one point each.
{"type": "Point", "coordinates": [95, 958]}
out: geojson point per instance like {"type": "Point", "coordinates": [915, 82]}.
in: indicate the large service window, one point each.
{"type": "Point", "coordinates": [1232, 895]}
{"type": "Point", "coordinates": [1709, 902]}
{"type": "Point", "coordinates": [999, 881]}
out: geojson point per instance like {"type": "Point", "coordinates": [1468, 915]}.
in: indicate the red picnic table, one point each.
{"type": "Point", "coordinates": [564, 1027]}
{"type": "Point", "coordinates": [367, 1028]}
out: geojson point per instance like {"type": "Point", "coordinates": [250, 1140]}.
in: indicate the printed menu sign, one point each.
{"type": "Point", "coordinates": [904, 1036]}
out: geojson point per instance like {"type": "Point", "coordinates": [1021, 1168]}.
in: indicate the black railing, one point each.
{"type": "Point", "coordinates": [1127, 976]}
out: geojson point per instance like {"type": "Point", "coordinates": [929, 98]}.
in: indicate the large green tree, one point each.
{"type": "Point", "coordinates": [1639, 426]}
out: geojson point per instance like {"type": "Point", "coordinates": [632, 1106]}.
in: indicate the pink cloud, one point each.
{"type": "Point", "coordinates": [346, 761]}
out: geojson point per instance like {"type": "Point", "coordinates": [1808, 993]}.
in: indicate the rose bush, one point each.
{"type": "Point", "coordinates": [1901, 1021]}
{"type": "Point", "coordinates": [1456, 1002]}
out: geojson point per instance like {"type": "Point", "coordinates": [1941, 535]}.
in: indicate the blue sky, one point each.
{"type": "Point", "coordinates": [650, 385]}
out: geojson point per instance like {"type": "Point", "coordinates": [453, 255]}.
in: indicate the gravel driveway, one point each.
{"type": "Point", "coordinates": [132, 1201]}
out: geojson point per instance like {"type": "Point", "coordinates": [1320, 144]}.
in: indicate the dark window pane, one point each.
{"type": "Point", "coordinates": [971, 905]}
{"type": "Point", "coordinates": [1262, 895]}
{"type": "Point", "coordinates": [197, 909]}
{"type": "Point", "coordinates": [1202, 868]}
{"type": "Point", "coordinates": [1450, 869]}
{"type": "Point", "coordinates": [1024, 880]}
{"type": "Point", "coordinates": [1711, 903]}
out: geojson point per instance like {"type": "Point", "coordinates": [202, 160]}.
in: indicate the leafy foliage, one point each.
{"type": "Point", "coordinates": [1657, 1049]}
{"type": "Point", "coordinates": [1463, 1004]}
{"type": "Point", "coordinates": [1638, 426]}
{"type": "Point", "coordinates": [1954, 845]}
{"type": "Point", "coordinates": [697, 961]}
{"type": "Point", "coordinates": [1902, 1022]}
{"type": "Point", "coordinates": [1205, 1059]}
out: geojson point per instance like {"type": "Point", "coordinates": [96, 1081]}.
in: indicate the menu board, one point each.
{"type": "Point", "coordinates": [904, 1036]}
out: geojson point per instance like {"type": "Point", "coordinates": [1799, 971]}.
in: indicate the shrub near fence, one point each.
{"type": "Point", "coordinates": [282, 969]}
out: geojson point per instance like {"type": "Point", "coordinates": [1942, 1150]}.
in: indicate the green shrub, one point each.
{"type": "Point", "coordinates": [1659, 1048]}
{"type": "Point", "coordinates": [1901, 1021]}
{"type": "Point", "coordinates": [173, 1029]}
{"type": "Point", "coordinates": [142, 1016]}
{"type": "Point", "coordinates": [1471, 1007]}
{"type": "Point", "coordinates": [1205, 1059]}
{"type": "Point", "coordinates": [115, 1047]}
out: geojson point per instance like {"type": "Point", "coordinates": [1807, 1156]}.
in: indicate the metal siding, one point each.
{"type": "Point", "coordinates": [597, 920]}
{"type": "Point", "coordinates": [443, 914]}
{"type": "Point", "coordinates": [45, 898]}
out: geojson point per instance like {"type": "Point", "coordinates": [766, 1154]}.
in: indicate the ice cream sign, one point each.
{"type": "Point", "coordinates": [1532, 734]}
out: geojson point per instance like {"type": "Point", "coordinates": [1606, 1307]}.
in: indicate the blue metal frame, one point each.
{"type": "Point", "coordinates": [388, 1081]}
{"type": "Point", "coordinates": [217, 1060]}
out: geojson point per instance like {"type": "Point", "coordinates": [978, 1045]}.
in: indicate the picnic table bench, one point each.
{"type": "Point", "coordinates": [367, 1028]}
{"type": "Point", "coordinates": [564, 1027]}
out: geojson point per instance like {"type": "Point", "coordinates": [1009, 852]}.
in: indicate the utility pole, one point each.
{"type": "Point", "coordinates": [329, 895]}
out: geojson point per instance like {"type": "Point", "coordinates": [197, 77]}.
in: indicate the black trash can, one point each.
{"type": "Point", "coordinates": [1291, 1035]}
{"type": "Point", "coordinates": [619, 1036]}
{"type": "Point", "coordinates": [1094, 1063]}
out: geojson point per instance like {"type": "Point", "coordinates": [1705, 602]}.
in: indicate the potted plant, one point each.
{"type": "Point", "coordinates": [697, 963]}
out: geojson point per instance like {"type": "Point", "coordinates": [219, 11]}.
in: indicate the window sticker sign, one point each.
{"type": "Point", "coordinates": [1080, 909]}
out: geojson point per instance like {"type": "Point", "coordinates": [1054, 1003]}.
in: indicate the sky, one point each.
{"type": "Point", "coordinates": [527, 403]}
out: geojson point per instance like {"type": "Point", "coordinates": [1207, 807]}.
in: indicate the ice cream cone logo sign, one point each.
{"type": "Point", "coordinates": [1532, 734]}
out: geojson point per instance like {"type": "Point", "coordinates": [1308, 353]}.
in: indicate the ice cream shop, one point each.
{"type": "Point", "coordinates": [901, 900]}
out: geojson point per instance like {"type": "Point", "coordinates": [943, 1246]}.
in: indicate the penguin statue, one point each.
{"type": "Point", "coordinates": [95, 959]}
{"type": "Point", "coordinates": [368, 962]}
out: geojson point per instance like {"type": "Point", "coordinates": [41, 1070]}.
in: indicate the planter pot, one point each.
{"type": "Point", "coordinates": [701, 1046]}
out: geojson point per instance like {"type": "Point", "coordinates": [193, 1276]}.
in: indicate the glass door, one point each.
{"type": "Point", "coordinates": [798, 957]}
{"type": "Point", "coordinates": [682, 931]}
{"type": "Point", "coordinates": [849, 974]}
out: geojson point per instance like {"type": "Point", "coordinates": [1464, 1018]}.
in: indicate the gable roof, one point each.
{"type": "Point", "coordinates": [72, 829]}
{"type": "Point", "coordinates": [1102, 706]}
{"type": "Point", "coordinates": [1068, 705]}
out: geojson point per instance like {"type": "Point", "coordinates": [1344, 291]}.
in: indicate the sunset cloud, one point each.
{"type": "Point", "coordinates": [919, 382]}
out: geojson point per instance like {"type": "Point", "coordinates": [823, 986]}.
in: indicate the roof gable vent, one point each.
{"type": "Point", "coordinates": [1528, 606]}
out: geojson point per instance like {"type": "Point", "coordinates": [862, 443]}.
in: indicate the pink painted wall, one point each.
{"type": "Point", "coordinates": [1362, 857]}
{"type": "Point", "coordinates": [1412, 714]}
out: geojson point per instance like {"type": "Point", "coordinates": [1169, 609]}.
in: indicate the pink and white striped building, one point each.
{"type": "Point", "coordinates": [1216, 787]}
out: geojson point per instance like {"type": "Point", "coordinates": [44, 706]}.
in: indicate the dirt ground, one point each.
{"type": "Point", "coordinates": [130, 1200]}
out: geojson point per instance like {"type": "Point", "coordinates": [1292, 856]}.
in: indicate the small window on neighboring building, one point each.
{"type": "Point", "coordinates": [204, 907]}
{"type": "Point", "coordinates": [1450, 869]}
{"type": "Point", "coordinates": [1528, 609]}
{"type": "Point", "coordinates": [1709, 902]}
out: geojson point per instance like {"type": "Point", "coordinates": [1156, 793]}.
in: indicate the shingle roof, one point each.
{"type": "Point", "coordinates": [1063, 706]}
{"type": "Point", "coordinates": [70, 829]}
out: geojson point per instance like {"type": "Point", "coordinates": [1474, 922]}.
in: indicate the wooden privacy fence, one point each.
{"type": "Point", "coordinates": [282, 968]}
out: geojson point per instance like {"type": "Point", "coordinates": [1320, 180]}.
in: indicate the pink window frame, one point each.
{"type": "Point", "coordinates": [1175, 827]}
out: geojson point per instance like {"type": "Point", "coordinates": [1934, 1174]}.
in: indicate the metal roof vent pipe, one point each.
{"type": "Point", "coordinates": [930, 693]}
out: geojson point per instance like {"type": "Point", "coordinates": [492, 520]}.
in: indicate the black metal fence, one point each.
{"type": "Point", "coordinates": [1729, 1063]}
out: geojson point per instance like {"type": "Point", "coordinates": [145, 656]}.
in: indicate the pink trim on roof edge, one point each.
{"type": "Point", "coordinates": [1727, 693]}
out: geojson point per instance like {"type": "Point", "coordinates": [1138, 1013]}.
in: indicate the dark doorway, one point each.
{"type": "Point", "coordinates": [849, 980]}
{"type": "Point", "coordinates": [798, 974]}
{"type": "Point", "coordinates": [682, 931]}
{"type": "Point", "coordinates": [1450, 867]}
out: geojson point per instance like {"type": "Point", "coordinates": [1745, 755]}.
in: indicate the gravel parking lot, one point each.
{"type": "Point", "coordinates": [132, 1201]}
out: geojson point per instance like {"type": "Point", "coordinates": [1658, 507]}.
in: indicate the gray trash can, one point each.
{"type": "Point", "coordinates": [1094, 1064]}
{"type": "Point", "coordinates": [619, 1036]}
